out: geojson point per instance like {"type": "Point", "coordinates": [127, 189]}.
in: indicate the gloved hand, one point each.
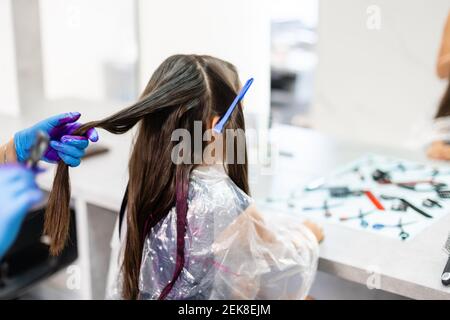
{"type": "Point", "coordinates": [63, 145]}
{"type": "Point", "coordinates": [18, 192]}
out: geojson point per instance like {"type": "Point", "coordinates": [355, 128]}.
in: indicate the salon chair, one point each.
{"type": "Point", "coordinates": [28, 261]}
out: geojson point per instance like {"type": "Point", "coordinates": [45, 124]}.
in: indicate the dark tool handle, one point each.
{"type": "Point", "coordinates": [426, 215]}
{"type": "Point", "coordinates": [445, 278]}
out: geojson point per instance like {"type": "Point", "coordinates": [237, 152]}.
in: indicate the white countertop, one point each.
{"type": "Point", "coordinates": [411, 268]}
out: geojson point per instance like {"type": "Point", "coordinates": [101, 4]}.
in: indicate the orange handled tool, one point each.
{"type": "Point", "coordinates": [374, 200]}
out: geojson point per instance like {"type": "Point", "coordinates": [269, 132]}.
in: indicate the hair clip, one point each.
{"type": "Point", "coordinates": [223, 121]}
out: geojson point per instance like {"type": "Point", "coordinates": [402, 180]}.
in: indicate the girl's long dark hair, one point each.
{"type": "Point", "coordinates": [444, 107]}
{"type": "Point", "coordinates": [184, 89]}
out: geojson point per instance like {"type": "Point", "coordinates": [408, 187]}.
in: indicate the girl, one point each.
{"type": "Point", "coordinates": [439, 148]}
{"type": "Point", "coordinates": [191, 230]}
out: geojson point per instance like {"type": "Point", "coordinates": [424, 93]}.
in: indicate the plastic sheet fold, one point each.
{"type": "Point", "coordinates": [232, 251]}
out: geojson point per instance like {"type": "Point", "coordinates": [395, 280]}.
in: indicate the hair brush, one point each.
{"type": "Point", "coordinates": [445, 278]}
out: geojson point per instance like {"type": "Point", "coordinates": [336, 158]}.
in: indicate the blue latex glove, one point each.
{"type": "Point", "coordinates": [18, 192]}
{"type": "Point", "coordinates": [63, 144]}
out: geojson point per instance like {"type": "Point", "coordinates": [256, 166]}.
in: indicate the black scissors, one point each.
{"type": "Point", "coordinates": [408, 205]}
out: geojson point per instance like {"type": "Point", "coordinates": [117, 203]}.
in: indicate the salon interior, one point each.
{"type": "Point", "coordinates": [345, 124]}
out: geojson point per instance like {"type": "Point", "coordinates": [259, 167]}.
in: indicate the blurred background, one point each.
{"type": "Point", "coordinates": [357, 70]}
{"type": "Point", "coordinates": [318, 64]}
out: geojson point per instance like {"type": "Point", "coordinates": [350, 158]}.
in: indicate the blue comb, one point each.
{"type": "Point", "coordinates": [223, 121]}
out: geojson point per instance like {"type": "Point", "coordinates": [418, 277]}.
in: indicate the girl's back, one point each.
{"type": "Point", "coordinates": [230, 252]}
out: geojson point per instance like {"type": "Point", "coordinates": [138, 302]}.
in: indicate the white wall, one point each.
{"type": "Point", "coordinates": [303, 10]}
{"type": "Point", "coordinates": [9, 101]}
{"type": "Point", "coordinates": [78, 38]}
{"type": "Point", "coordinates": [378, 85]}
{"type": "Point", "coordinates": [235, 30]}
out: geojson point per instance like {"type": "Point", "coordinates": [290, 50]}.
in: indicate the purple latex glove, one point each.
{"type": "Point", "coordinates": [63, 144]}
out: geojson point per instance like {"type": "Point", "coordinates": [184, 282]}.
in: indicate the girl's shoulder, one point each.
{"type": "Point", "coordinates": [211, 184]}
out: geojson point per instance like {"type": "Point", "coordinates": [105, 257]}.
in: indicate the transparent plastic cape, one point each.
{"type": "Point", "coordinates": [232, 251]}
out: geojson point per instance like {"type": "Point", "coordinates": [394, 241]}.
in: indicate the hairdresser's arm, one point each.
{"type": "Point", "coordinates": [439, 150]}
{"type": "Point", "coordinates": [65, 145]}
{"type": "Point", "coordinates": [8, 153]}
{"type": "Point", "coordinates": [443, 65]}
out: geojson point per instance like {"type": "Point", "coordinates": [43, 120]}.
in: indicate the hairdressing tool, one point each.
{"type": "Point", "coordinates": [443, 194]}
{"type": "Point", "coordinates": [435, 172]}
{"type": "Point", "coordinates": [445, 277]}
{"type": "Point", "coordinates": [374, 200]}
{"type": "Point", "coordinates": [421, 186]}
{"type": "Point", "coordinates": [403, 168]}
{"type": "Point", "coordinates": [38, 149]}
{"type": "Point", "coordinates": [223, 121]}
{"type": "Point", "coordinates": [399, 205]}
{"type": "Point", "coordinates": [315, 185]}
{"type": "Point", "coordinates": [403, 234]}
{"type": "Point", "coordinates": [408, 204]}
{"type": "Point", "coordinates": [326, 207]}
{"type": "Point", "coordinates": [344, 192]}
{"type": "Point", "coordinates": [381, 176]}
{"type": "Point", "coordinates": [357, 171]}
{"type": "Point", "coordinates": [384, 177]}
{"type": "Point", "coordinates": [361, 216]}
{"type": "Point", "coordinates": [438, 172]}
{"type": "Point", "coordinates": [418, 210]}
{"type": "Point", "coordinates": [430, 203]}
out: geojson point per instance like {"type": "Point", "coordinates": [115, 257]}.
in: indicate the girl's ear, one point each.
{"type": "Point", "coordinates": [214, 121]}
